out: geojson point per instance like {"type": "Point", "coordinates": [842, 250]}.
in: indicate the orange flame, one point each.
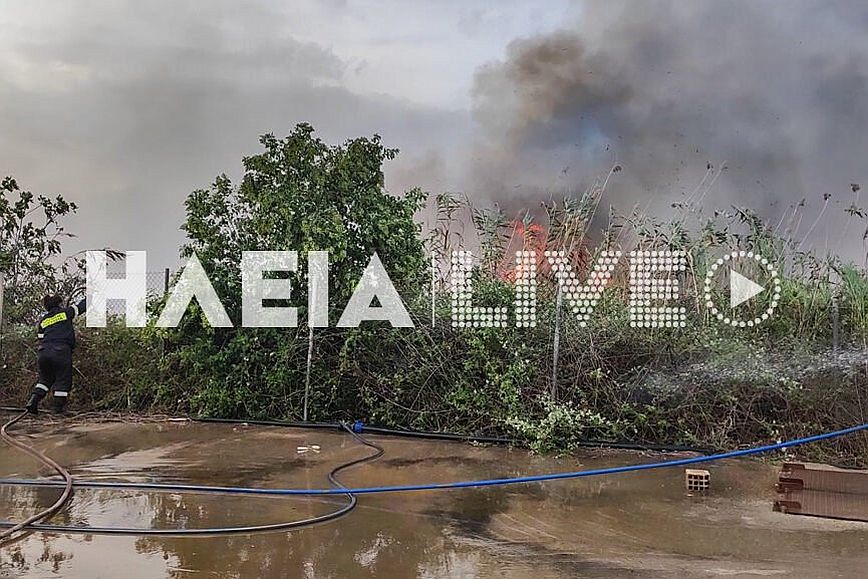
{"type": "Point", "coordinates": [534, 237]}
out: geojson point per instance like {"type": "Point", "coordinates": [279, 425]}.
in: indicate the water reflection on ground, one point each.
{"type": "Point", "coordinates": [632, 525]}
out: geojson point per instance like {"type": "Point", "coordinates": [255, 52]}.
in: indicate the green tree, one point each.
{"type": "Point", "coordinates": [30, 246]}
{"type": "Point", "coordinates": [305, 195]}
{"type": "Point", "coordinates": [298, 194]}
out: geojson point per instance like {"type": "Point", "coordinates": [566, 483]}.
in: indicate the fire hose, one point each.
{"type": "Point", "coordinates": [31, 524]}
{"type": "Point", "coordinates": [339, 489]}
{"type": "Point", "coordinates": [47, 461]}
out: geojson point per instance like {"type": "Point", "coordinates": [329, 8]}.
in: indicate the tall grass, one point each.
{"type": "Point", "coordinates": [704, 384]}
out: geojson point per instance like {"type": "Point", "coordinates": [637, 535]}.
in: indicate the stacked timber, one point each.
{"type": "Point", "coordinates": [822, 491]}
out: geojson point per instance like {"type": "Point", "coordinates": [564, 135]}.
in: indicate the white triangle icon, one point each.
{"type": "Point", "coordinates": [741, 288]}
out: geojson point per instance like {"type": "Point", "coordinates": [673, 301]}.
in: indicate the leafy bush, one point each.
{"type": "Point", "coordinates": [705, 384]}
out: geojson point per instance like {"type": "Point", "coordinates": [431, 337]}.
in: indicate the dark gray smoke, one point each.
{"type": "Point", "coordinates": [775, 89]}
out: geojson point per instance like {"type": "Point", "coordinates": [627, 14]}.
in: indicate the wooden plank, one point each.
{"type": "Point", "coordinates": [821, 477]}
{"type": "Point", "coordinates": [824, 504]}
{"type": "Point", "coordinates": [823, 491]}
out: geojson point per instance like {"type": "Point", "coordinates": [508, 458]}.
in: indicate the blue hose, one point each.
{"type": "Point", "coordinates": [450, 485]}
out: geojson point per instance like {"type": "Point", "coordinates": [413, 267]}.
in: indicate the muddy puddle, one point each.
{"type": "Point", "coordinates": [629, 525]}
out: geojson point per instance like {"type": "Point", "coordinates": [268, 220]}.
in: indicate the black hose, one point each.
{"type": "Point", "coordinates": [339, 489]}
{"type": "Point", "coordinates": [332, 476]}
{"type": "Point", "coordinates": [428, 435]}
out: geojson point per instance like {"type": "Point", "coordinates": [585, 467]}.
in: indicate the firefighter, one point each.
{"type": "Point", "coordinates": [56, 343]}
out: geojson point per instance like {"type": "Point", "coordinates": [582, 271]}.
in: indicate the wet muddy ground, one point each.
{"type": "Point", "coordinates": [630, 525]}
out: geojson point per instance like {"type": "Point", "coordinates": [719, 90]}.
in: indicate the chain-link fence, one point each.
{"type": "Point", "coordinates": [18, 345]}
{"type": "Point", "coordinates": [157, 283]}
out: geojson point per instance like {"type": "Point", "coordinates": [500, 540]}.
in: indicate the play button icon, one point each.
{"type": "Point", "coordinates": [741, 288]}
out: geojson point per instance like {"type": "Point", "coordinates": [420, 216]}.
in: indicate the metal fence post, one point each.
{"type": "Point", "coordinates": [556, 344]}
{"type": "Point", "coordinates": [2, 292]}
{"type": "Point", "coordinates": [307, 372]}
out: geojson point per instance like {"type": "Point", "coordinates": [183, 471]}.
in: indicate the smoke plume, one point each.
{"type": "Point", "coordinates": [775, 90]}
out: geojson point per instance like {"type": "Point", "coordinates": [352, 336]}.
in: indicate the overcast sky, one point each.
{"type": "Point", "coordinates": [126, 106]}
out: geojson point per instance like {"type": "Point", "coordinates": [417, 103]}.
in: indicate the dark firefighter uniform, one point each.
{"type": "Point", "coordinates": [56, 342]}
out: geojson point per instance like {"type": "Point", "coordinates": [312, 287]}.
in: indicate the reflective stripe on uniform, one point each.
{"type": "Point", "coordinates": [40, 336]}
{"type": "Point", "coordinates": [56, 318]}
{"type": "Point", "coordinates": [42, 387]}
{"type": "Point", "coordinates": [61, 394]}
